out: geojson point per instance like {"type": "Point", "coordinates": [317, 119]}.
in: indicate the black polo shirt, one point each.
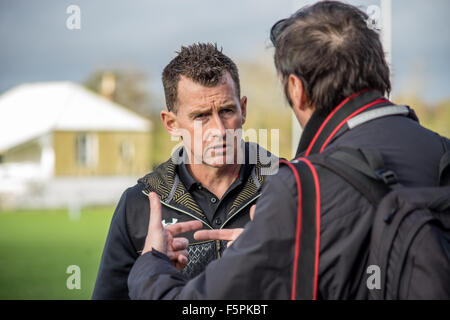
{"type": "Point", "coordinates": [215, 209]}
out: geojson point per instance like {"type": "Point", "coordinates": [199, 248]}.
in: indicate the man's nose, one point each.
{"type": "Point", "coordinates": [218, 126]}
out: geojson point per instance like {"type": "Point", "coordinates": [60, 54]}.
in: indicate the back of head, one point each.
{"type": "Point", "coordinates": [331, 48]}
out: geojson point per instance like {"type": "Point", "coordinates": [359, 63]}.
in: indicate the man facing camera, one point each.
{"type": "Point", "coordinates": [212, 181]}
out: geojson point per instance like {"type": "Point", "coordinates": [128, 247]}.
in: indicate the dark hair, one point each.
{"type": "Point", "coordinates": [331, 48]}
{"type": "Point", "coordinates": [203, 63]}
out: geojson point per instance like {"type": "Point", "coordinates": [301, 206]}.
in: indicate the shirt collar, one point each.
{"type": "Point", "coordinates": [186, 177]}
{"type": "Point", "coordinates": [189, 181]}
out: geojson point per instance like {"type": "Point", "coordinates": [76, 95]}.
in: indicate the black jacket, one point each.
{"type": "Point", "coordinates": [260, 264]}
{"type": "Point", "coordinates": [129, 224]}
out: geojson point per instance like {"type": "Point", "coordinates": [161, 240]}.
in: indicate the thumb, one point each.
{"type": "Point", "coordinates": [155, 212]}
{"type": "Point", "coordinates": [252, 212]}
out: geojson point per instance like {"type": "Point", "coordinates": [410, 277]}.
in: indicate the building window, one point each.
{"type": "Point", "coordinates": [127, 151]}
{"type": "Point", "coordinates": [87, 149]}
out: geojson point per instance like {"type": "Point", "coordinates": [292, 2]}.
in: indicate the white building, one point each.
{"type": "Point", "coordinates": [61, 144]}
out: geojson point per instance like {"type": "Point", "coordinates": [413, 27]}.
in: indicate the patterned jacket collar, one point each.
{"type": "Point", "coordinates": [165, 182]}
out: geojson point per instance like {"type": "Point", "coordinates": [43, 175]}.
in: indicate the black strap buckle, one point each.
{"type": "Point", "coordinates": [387, 176]}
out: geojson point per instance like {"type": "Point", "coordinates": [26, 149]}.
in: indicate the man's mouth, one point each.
{"type": "Point", "coordinates": [219, 149]}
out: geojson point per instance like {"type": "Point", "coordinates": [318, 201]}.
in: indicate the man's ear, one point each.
{"type": "Point", "coordinates": [297, 93]}
{"type": "Point", "coordinates": [244, 108]}
{"type": "Point", "coordinates": [169, 120]}
{"type": "Point", "coordinates": [302, 108]}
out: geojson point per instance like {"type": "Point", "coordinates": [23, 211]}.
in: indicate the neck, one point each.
{"type": "Point", "coordinates": [304, 115]}
{"type": "Point", "coordinates": [216, 180]}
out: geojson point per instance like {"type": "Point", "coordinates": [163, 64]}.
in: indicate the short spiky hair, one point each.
{"type": "Point", "coordinates": [203, 63]}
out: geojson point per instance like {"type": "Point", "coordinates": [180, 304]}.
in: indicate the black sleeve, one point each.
{"type": "Point", "coordinates": [257, 266]}
{"type": "Point", "coordinates": [118, 257]}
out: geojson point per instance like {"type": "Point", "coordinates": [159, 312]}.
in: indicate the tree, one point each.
{"type": "Point", "coordinates": [128, 88]}
{"type": "Point", "coordinates": [267, 108]}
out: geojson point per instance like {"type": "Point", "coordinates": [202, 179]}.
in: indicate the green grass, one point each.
{"type": "Point", "coordinates": [36, 247]}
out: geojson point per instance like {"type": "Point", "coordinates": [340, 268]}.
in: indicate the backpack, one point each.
{"type": "Point", "coordinates": [409, 247]}
{"type": "Point", "coordinates": [410, 239]}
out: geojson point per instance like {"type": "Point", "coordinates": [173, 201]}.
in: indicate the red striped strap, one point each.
{"type": "Point", "coordinates": [354, 114]}
{"type": "Point", "coordinates": [297, 228]}
{"type": "Point", "coordinates": [305, 272]}
{"type": "Point", "coordinates": [328, 123]}
{"type": "Point", "coordinates": [327, 120]}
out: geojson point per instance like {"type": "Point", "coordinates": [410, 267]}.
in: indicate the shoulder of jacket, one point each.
{"type": "Point", "coordinates": [134, 192]}
{"type": "Point", "coordinates": [160, 180]}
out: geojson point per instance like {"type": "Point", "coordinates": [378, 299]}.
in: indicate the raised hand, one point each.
{"type": "Point", "coordinates": [163, 238]}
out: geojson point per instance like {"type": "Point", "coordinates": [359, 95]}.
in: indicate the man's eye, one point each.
{"type": "Point", "coordinates": [200, 116]}
{"type": "Point", "coordinates": [226, 111]}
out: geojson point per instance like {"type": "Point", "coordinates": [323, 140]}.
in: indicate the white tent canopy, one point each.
{"type": "Point", "coordinates": [31, 110]}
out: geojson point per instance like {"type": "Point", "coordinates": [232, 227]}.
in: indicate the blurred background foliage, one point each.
{"type": "Point", "coordinates": [266, 109]}
{"type": "Point", "coordinates": [435, 117]}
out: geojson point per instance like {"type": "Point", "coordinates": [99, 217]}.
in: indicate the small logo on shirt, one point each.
{"type": "Point", "coordinates": [170, 222]}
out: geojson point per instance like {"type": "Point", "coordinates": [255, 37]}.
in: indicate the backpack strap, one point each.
{"type": "Point", "coordinates": [307, 237]}
{"type": "Point", "coordinates": [363, 169]}
{"type": "Point", "coordinates": [444, 166]}
{"type": "Point", "coordinates": [368, 162]}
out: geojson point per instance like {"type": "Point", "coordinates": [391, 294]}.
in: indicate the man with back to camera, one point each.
{"type": "Point", "coordinates": [212, 181]}
{"type": "Point", "coordinates": [333, 68]}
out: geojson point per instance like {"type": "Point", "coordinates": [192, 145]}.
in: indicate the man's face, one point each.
{"type": "Point", "coordinates": [206, 116]}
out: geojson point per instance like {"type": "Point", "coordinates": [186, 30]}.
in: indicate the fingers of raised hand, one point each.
{"type": "Point", "coordinates": [222, 234]}
{"type": "Point", "coordinates": [182, 227]}
{"type": "Point", "coordinates": [252, 212]}
{"type": "Point", "coordinates": [155, 212]}
{"type": "Point", "coordinates": [180, 244]}
{"type": "Point", "coordinates": [179, 258]}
